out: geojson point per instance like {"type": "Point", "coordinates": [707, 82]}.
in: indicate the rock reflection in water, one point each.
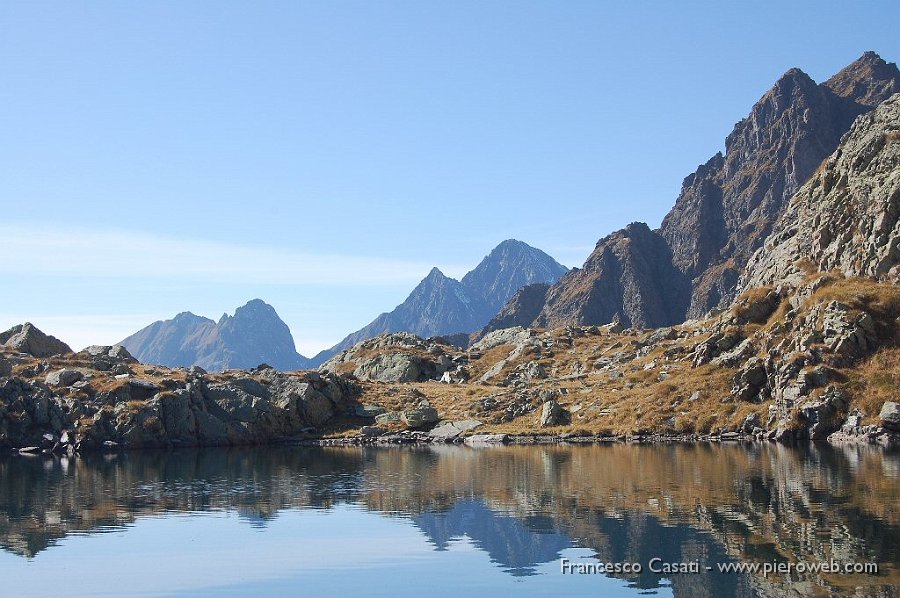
{"type": "Point", "coordinates": [523, 506]}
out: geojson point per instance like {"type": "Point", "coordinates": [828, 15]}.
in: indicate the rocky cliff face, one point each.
{"type": "Point", "coordinates": [725, 210]}
{"type": "Point", "coordinates": [253, 335]}
{"type": "Point", "coordinates": [521, 310]}
{"type": "Point", "coordinates": [847, 217]}
{"type": "Point", "coordinates": [628, 276]}
{"type": "Point", "coordinates": [440, 305]}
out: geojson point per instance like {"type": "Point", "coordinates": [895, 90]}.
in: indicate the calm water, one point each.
{"type": "Point", "coordinates": [442, 521]}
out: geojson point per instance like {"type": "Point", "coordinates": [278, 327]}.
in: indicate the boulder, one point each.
{"type": "Point", "coordinates": [823, 416]}
{"type": "Point", "coordinates": [369, 411]}
{"type": "Point", "coordinates": [106, 357]}
{"type": "Point", "coordinates": [64, 377]}
{"type": "Point", "coordinates": [552, 414]}
{"type": "Point", "coordinates": [386, 419]}
{"type": "Point", "coordinates": [5, 368]}
{"type": "Point", "coordinates": [451, 430]}
{"type": "Point", "coordinates": [890, 415]}
{"type": "Point", "coordinates": [419, 417]}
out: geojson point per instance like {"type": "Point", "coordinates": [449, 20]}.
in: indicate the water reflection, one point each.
{"type": "Point", "coordinates": [524, 507]}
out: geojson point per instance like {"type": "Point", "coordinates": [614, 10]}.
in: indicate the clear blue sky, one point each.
{"type": "Point", "coordinates": [165, 156]}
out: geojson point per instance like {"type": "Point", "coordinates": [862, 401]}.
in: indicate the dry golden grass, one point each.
{"type": "Point", "coordinates": [875, 381]}
{"type": "Point", "coordinates": [480, 366]}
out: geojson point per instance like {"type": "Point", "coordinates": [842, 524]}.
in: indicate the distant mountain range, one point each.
{"type": "Point", "coordinates": [441, 306]}
{"type": "Point", "coordinates": [641, 277]}
{"type": "Point", "coordinates": [252, 336]}
{"type": "Point", "coordinates": [437, 306]}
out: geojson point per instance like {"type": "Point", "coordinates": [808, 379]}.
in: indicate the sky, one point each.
{"type": "Point", "coordinates": [162, 156]}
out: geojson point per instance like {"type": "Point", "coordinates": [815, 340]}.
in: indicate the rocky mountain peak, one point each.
{"type": "Point", "coordinates": [440, 305]}
{"type": "Point", "coordinates": [254, 334]}
{"type": "Point", "coordinates": [629, 276]}
{"type": "Point", "coordinates": [724, 212]}
{"type": "Point", "coordinates": [868, 80]}
{"type": "Point", "coordinates": [434, 275]}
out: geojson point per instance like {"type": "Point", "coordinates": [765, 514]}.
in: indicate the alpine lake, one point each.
{"type": "Point", "coordinates": [449, 520]}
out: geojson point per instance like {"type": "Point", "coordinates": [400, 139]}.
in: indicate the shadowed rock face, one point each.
{"type": "Point", "coordinates": [440, 305]}
{"type": "Point", "coordinates": [847, 217]}
{"type": "Point", "coordinates": [253, 335]}
{"type": "Point", "coordinates": [629, 275]}
{"type": "Point", "coordinates": [727, 208]}
{"type": "Point", "coordinates": [725, 211]}
{"type": "Point", "coordinates": [521, 310]}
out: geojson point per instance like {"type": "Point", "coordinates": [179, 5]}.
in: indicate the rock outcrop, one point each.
{"type": "Point", "coordinates": [398, 357]}
{"type": "Point", "coordinates": [253, 335]}
{"type": "Point", "coordinates": [847, 217]}
{"type": "Point", "coordinates": [84, 409]}
{"type": "Point", "coordinates": [26, 338]}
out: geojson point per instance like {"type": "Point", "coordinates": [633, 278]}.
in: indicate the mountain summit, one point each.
{"type": "Point", "coordinates": [441, 305]}
{"type": "Point", "coordinates": [253, 335]}
{"type": "Point", "coordinates": [725, 211]}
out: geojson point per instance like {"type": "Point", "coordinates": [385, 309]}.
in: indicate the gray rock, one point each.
{"type": "Point", "coordinates": [451, 430]}
{"type": "Point", "coordinates": [890, 415]}
{"type": "Point", "coordinates": [552, 414]}
{"type": "Point", "coordinates": [64, 377]}
{"type": "Point", "coordinates": [371, 431]}
{"type": "Point", "coordinates": [845, 217]}
{"type": "Point", "coordinates": [419, 417]}
{"type": "Point", "coordinates": [486, 439]}
{"type": "Point", "coordinates": [823, 416]}
{"type": "Point", "coordinates": [5, 368]}
{"type": "Point", "coordinates": [395, 367]}
{"type": "Point", "coordinates": [386, 419]}
{"type": "Point", "coordinates": [25, 338]}
{"type": "Point", "coordinates": [141, 390]}
{"type": "Point", "coordinates": [369, 411]}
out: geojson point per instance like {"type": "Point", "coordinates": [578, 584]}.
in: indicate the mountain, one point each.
{"type": "Point", "coordinates": [847, 216]}
{"type": "Point", "coordinates": [629, 275]}
{"type": "Point", "coordinates": [725, 211]}
{"type": "Point", "coordinates": [440, 305]}
{"type": "Point", "coordinates": [510, 266]}
{"type": "Point", "coordinates": [253, 335]}
{"type": "Point", "coordinates": [521, 310]}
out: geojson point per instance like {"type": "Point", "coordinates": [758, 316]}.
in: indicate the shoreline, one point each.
{"type": "Point", "coordinates": [417, 438]}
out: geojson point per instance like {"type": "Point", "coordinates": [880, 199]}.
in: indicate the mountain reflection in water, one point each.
{"type": "Point", "coordinates": [522, 507]}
